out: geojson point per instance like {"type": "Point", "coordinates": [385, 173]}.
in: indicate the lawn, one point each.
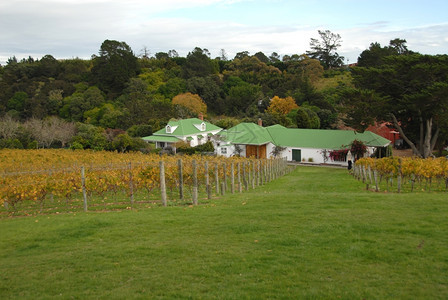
{"type": "Point", "coordinates": [315, 233]}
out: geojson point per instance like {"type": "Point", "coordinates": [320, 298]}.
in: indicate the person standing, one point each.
{"type": "Point", "coordinates": [349, 159]}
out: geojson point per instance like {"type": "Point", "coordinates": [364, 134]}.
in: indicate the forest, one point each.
{"type": "Point", "coordinates": [110, 100]}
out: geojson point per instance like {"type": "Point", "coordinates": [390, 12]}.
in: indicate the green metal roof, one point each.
{"type": "Point", "coordinates": [187, 127]}
{"type": "Point", "coordinates": [322, 138]}
{"type": "Point", "coordinates": [252, 134]}
{"type": "Point", "coordinates": [246, 134]}
{"type": "Point", "coordinates": [161, 138]}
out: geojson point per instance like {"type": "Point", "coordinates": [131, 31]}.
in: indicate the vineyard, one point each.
{"type": "Point", "coordinates": [403, 174]}
{"type": "Point", "coordinates": [55, 181]}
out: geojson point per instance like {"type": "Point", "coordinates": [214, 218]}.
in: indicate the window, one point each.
{"type": "Point", "coordinates": [162, 144]}
{"type": "Point", "coordinates": [168, 129]}
{"type": "Point", "coordinates": [203, 126]}
{"type": "Point", "coordinates": [224, 150]}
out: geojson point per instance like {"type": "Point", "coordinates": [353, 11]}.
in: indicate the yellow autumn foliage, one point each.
{"type": "Point", "coordinates": [193, 102]}
{"type": "Point", "coordinates": [281, 106]}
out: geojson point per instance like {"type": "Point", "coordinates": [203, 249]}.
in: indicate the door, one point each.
{"type": "Point", "coordinates": [297, 154]}
{"type": "Point", "coordinates": [256, 151]}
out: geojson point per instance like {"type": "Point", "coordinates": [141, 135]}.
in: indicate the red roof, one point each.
{"type": "Point", "coordinates": [386, 130]}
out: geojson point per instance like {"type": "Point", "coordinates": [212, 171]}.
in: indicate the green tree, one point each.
{"type": "Point", "coordinates": [241, 98]}
{"type": "Point", "coordinates": [91, 137]}
{"type": "Point", "coordinates": [302, 118]}
{"type": "Point", "coordinates": [20, 103]}
{"type": "Point", "coordinates": [114, 66]}
{"type": "Point", "coordinates": [414, 96]}
{"type": "Point", "coordinates": [208, 89]}
{"type": "Point", "coordinates": [199, 64]}
{"type": "Point", "coordinates": [375, 54]}
{"type": "Point", "coordinates": [324, 49]}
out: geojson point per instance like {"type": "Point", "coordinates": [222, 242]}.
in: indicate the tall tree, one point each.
{"type": "Point", "coordinates": [414, 96]}
{"type": "Point", "coordinates": [114, 67]}
{"type": "Point", "coordinates": [374, 55]}
{"type": "Point", "coordinates": [199, 64]}
{"type": "Point", "coordinates": [324, 49]}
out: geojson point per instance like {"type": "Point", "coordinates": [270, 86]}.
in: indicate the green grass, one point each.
{"type": "Point", "coordinates": [315, 233]}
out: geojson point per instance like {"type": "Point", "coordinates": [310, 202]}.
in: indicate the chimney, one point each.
{"type": "Point", "coordinates": [260, 122]}
{"type": "Point", "coordinates": [201, 116]}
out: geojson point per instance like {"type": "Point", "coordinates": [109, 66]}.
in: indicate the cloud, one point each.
{"type": "Point", "coordinates": [76, 28]}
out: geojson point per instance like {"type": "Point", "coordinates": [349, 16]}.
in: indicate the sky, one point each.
{"type": "Point", "coordinates": [77, 28]}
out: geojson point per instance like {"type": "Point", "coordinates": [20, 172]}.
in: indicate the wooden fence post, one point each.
{"type": "Point", "coordinates": [224, 170]}
{"type": "Point", "coordinates": [217, 178]}
{"type": "Point", "coordinates": [207, 182]}
{"type": "Point", "coordinates": [240, 188]}
{"type": "Point", "coordinates": [375, 175]}
{"type": "Point", "coordinates": [195, 183]}
{"type": "Point", "coordinates": [244, 176]}
{"type": "Point", "coordinates": [253, 175]}
{"type": "Point", "coordinates": [232, 178]}
{"type": "Point", "coordinates": [399, 176]}
{"type": "Point", "coordinates": [131, 185]}
{"type": "Point", "coordinates": [162, 182]}
{"type": "Point", "coordinates": [181, 179]}
{"type": "Point", "coordinates": [84, 191]}
{"type": "Point", "coordinates": [223, 189]}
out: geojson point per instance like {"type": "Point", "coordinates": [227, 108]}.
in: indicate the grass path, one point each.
{"type": "Point", "coordinates": [315, 233]}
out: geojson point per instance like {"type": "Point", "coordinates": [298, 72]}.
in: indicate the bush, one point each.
{"type": "Point", "coordinates": [10, 144]}
{"type": "Point", "coordinates": [76, 146]}
{"type": "Point", "coordinates": [140, 130]}
{"type": "Point", "coordinates": [32, 145]}
{"type": "Point", "coordinates": [206, 147]}
{"type": "Point", "coordinates": [187, 149]}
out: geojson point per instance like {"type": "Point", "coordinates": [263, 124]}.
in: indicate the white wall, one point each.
{"type": "Point", "coordinates": [314, 153]}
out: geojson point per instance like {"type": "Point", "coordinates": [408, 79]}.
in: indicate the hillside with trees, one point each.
{"type": "Point", "coordinates": [110, 100]}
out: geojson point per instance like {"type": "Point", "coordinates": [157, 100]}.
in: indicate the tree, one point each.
{"type": "Point", "coordinates": [241, 97]}
{"type": "Point", "coordinates": [192, 102]}
{"type": "Point", "coordinates": [414, 96]}
{"type": "Point", "coordinates": [262, 57]}
{"type": "Point", "coordinates": [306, 118]}
{"type": "Point", "coordinates": [277, 150]}
{"type": "Point", "coordinates": [51, 130]}
{"type": "Point", "coordinates": [399, 46]}
{"type": "Point", "coordinates": [199, 64]}
{"type": "Point", "coordinates": [20, 103]}
{"type": "Point", "coordinates": [302, 118]}
{"type": "Point", "coordinates": [375, 54]}
{"type": "Point", "coordinates": [281, 106]}
{"type": "Point", "coordinates": [241, 55]}
{"type": "Point", "coordinates": [8, 127]}
{"type": "Point", "coordinates": [325, 49]}
{"type": "Point", "coordinates": [207, 88]}
{"type": "Point", "coordinates": [307, 68]}
{"type": "Point", "coordinates": [114, 67]}
{"type": "Point", "coordinates": [359, 107]}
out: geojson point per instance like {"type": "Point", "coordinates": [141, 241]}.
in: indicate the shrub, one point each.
{"type": "Point", "coordinates": [76, 146]}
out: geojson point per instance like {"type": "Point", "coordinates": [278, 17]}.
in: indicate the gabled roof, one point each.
{"type": "Point", "coordinates": [323, 138]}
{"type": "Point", "coordinates": [247, 134]}
{"type": "Point", "coordinates": [252, 134]}
{"type": "Point", "coordinates": [187, 127]}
